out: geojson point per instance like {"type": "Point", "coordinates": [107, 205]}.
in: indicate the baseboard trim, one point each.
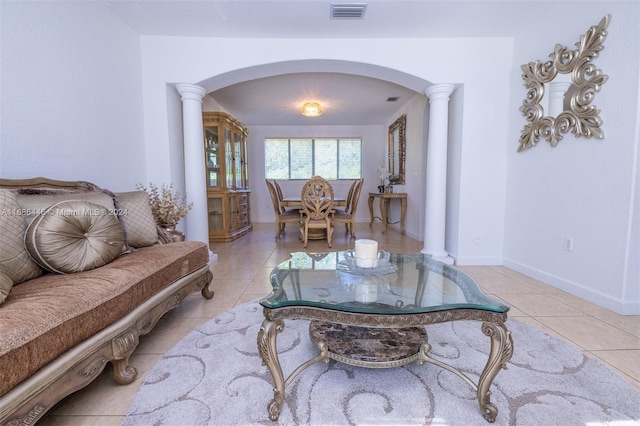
{"type": "Point", "coordinates": [601, 299]}
{"type": "Point", "coordinates": [479, 261]}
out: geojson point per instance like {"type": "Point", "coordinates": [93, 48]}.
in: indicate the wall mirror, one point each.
{"type": "Point", "coordinates": [397, 145]}
{"type": "Point", "coordinates": [571, 81]}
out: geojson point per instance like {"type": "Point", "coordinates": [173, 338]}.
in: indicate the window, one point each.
{"type": "Point", "coordinates": [303, 158]}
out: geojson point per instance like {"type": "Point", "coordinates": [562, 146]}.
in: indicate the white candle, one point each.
{"type": "Point", "coordinates": [366, 253]}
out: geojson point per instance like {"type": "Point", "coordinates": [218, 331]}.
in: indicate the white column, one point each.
{"type": "Point", "coordinates": [197, 228]}
{"type": "Point", "coordinates": [436, 197]}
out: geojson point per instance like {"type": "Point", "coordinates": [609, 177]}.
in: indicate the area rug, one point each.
{"type": "Point", "coordinates": [215, 376]}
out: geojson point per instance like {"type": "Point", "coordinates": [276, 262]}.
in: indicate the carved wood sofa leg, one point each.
{"type": "Point", "coordinates": [123, 373]}
{"type": "Point", "coordinates": [206, 292]}
{"type": "Point", "coordinates": [122, 347]}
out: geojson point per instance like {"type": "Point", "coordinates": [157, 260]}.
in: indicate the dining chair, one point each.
{"type": "Point", "coordinates": [347, 205]}
{"type": "Point", "coordinates": [281, 197]}
{"type": "Point", "coordinates": [282, 216]}
{"type": "Point", "coordinates": [348, 215]}
{"type": "Point", "coordinates": [349, 196]}
{"type": "Point", "coordinates": [279, 194]}
{"type": "Point", "coordinates": [316, 198]}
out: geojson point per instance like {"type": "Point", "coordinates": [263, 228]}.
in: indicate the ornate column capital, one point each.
{"type": "Point", "coordinates": [439, 91]}
{"type": "Point", "coordinates": [190, 92]}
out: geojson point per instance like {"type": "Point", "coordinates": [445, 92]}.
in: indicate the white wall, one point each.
{"type": "Point", "coordinates": [71, 95]}
{"type": "Point", "coordinates": [584, 189]}
{"type": "Point", "coordinates": [415, 167]}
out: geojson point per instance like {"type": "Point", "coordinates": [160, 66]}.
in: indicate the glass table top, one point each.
{"type": "Point", "coordinates": [400, 284]}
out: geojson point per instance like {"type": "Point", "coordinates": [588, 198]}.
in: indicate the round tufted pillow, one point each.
{"type": "Point", "coordinates": [74, 236]}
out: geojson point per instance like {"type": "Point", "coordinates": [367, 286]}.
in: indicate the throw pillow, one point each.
{"type": "Point", "coordinates": [134, 212]}
{"type": "Point", "coordinates": [14, 259]}
{"type": "Point", "coordinates": [74, 236]}
{"type": "Point", "coordinates": [5, 286]}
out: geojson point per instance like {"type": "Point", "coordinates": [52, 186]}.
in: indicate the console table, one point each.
{"type": "Point", "coordinates": [384, 207]}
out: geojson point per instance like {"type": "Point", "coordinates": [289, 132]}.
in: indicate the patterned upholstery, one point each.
{"type": "Point", "coordinates": [15, 262]}
{"type": "Point", "coordinates": [135, 214]}
{"type": "Point", "coordinates": [5, 286]}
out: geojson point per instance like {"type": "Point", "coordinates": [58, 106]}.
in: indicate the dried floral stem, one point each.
{"type": "Point", "coordinates": [167, 206]}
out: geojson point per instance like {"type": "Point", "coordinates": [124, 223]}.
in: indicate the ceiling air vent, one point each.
{"type": "Point", "coordinates": [348, 10]}
{"type": "Point", "coordinates": [393, 99]}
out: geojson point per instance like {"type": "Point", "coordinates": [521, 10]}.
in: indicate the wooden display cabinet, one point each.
{"type": "Point", "coordinates": [225, 147]}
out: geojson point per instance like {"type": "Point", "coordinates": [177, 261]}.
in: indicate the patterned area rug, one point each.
{"type": "Point", "coordinates": [215, 376]}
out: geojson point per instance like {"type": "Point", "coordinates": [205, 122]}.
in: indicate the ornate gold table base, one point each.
{"type": "Point", "coordinates": [492, 326]}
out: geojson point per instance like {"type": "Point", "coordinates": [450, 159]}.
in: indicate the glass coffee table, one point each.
{"type": "Point", "coordinates": [353, 311]}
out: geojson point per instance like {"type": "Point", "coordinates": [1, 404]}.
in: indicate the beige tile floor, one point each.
{"type": "Point", "coordinates": [241, 274]}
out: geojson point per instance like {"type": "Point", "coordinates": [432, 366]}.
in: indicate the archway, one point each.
{"type": "Point", "coordinates": [412, 82]}
{"type": "Point", "coordinates": [417, 84]}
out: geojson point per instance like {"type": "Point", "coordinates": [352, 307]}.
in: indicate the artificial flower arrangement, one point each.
{"type": "Point", "coordinates": [167, 206]}
{"type": "Point", "coordinates": [384, 175]}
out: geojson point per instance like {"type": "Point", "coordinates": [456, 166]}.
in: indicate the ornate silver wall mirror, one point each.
{"type": "Point", "coordinates": [397, 145]}
{"type": "Point", "coordinates": [568, 103]}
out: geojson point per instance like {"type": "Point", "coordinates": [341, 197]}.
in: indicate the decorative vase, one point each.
{"type": "Point", "coordinates": [388, 188]}
{"type": "Point", "coordinates": [381, 189]}
{"type": "Point", "coordinates": [171, 229]}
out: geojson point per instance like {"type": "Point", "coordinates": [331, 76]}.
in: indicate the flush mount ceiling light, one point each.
{"type": "Point", "coordinates": [311, 109]}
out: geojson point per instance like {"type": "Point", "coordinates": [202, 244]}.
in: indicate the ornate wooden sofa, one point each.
{"type": "Point", "coordinates": [58, 330]}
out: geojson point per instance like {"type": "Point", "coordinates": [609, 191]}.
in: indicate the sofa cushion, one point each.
{"type": "Point", "coordinates": [74, 236]}
{"type": "Point", "coordinates": [134, 212]}
{"type": "Point", "coordinates": [15, 262]}
{"type": "Point", "coordinates": [47, 316]}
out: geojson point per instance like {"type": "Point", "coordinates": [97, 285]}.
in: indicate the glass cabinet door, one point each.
{"type": "Point", "coordinates": [245, 168]}
{"type": "Point", "coordinates": [216, 220]}
{"type": "Point", "coordinates": [245, 165]}
{"type": "Point", "coordinates": [228, 154]}
{"type": "Point", "coordinates": [212, 156]}
{"type": "Point", "coordinates": [238, 160]}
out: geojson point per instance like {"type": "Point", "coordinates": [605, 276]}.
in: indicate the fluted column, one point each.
{"type": "Point", "coordinates": [197, 228]}
{"type": "Point", "coordinates": [436, 197]}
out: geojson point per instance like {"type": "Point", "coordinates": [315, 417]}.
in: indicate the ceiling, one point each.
{"type": "Point", "coordinates": [311, 18]}
{"type": "Point", "coordinates": [348, 99]}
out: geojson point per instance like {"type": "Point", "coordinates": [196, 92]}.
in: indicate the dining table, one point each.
{"type": "Point", "coordinates": [296, 203]}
